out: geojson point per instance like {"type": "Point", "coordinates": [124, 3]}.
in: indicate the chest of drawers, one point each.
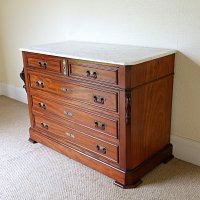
{"type": "Point", "coordinates": [112, 117]}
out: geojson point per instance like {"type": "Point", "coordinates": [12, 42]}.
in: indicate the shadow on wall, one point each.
{"type": "Point", "coordinates": [186, 98]}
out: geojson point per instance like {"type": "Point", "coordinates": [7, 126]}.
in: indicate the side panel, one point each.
{"type": "Point", "coordinates": [150, 120]}
{"type": "Point", "coordinates": [151, 70]}
{"type": "Point", "coordinates": [27, 88]}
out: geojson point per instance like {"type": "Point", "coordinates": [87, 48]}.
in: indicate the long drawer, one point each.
{"type": "Point", "coordinates": [97, 148]}
{"type": "Point", "coordinates": [96, 97]}
{"type": "Point", "coordinates": [94, 121]}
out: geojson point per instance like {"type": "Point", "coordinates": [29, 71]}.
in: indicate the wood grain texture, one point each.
{"type": "Point", "coordinates": [44, 63]}
{"type": "Point", "coordinates": [66, 134]}
{"type": "Point", "coordinates": [77, 126]}
{"type": "Point", "coordinates": [73, 102]}
{"type": "Point", "coordinates": [27, 84]}
{"type": "Point", "coordinates": [85, 159]}
{"type": "Point", "coordinates": [124, 134]}
{"type": "Point", "coordinates": [107, 74]}
{"type": "Point", "coordinates": [91, 120]}
{"type": "Point", "coordinates": [103, 99]}
{"type": "Point", "coordinates": [151, 119]}
{"type": "Point", "coordinates": [93, 72]}
{"type": "Point", "coordinates": [151, 70]}
{"type": "Point", "coordinates": [114, 119]}
{"type": "Point", "coordinates": [133, 177]}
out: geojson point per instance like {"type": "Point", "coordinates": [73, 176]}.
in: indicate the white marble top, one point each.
{"type": "Point", "coordinates": [107, 53]}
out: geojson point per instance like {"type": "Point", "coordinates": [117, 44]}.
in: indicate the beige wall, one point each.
{"type": "Point", "coordinates": [1, 70]}
{"type": "Point", "coordinates": [169, 24]}
{"type": "Point", "coordinates": [1, 60]}
{"type": "Point", "coordinates": [1, 57]}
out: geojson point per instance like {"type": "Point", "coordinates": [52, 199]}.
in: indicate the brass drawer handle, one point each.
{"type": "Point", "coordinates": [42, 64]}
{"type": "Point", "coordinates": [64, 67]}
{"type": "Point", "coordinates": [91, 74]}
{"type": "Point", "coordinates": [44, 125]}
{"type": "Point", "coordinates": [68, 113]}
{"type": "Point", "coordinates": [99, 125]}
{"type": "Point", "coordinates": [42, 105]}
{"type": "Point", "coordinates": [99, 99]}
{"type": "Point", "coordinates": [70, 135]}
{"type": "Point", "coordinates": [101, 149]}
{"type": "Point", "coordinates": [66, 89]}
{"type": "Point", "coordinates": [40, 84]}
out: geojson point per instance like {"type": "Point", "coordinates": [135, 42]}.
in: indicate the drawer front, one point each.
{"type": "Point", "coordinates": [93, 72]}
{"type": "Point", "coordinates": [95, 122]}
{"type": "Point", "coordinates": [97, 148]}
{"type": "Point", "coordinates": [106, 100]}
{"type": "Point", "coordinates": [44, 63]}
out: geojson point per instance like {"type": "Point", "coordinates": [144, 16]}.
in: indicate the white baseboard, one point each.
{"type": "Point", "coordinates": [186, 149]}
{"type": "Point", "coordinates": [13, 92]}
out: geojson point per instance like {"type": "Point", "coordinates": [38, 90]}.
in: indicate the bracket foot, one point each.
{"type": "Point", "coordinates": [128, 186]}
{"type": "Point", "coordinates": [32, 141]}
{"type": "Point", "coordinates": [166, 160]}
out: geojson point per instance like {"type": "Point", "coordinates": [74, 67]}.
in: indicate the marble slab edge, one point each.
{"type": "Point", "coordinates": [135, 62]}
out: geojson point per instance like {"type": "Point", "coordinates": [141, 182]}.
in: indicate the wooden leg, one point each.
{"type": "Point", "coordinates": [32, 141]}
{"type": "Point", "coordinates": [133, 177]}
{"type": "Point", "coordinates": [128, 186]}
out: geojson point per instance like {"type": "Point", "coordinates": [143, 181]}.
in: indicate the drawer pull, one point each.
{"type": "Point", "coordinates": [44, 125]}
{"type": "Point", "coordinates": [43, 64]}
{"type": "Point", "coordinates": [42, 105]}
{"type": "Point", "coordinates": [101, 149]}
{"type": "Point", "coordinates": [66, 89]}
{"type": "Point", "coordinates": [70, 135]}
{"type": "Point", "coordinates": [99, 125]}
{"type": "Point", "coordinates": [91, 74]}
{"type": "Point", "coordinates": [40, 84]}
{"type": "Point", "coordinates": [99, 99]}
{"type": "Point", "coordinates": [68, 113]}
{"type": "Point", "coordinates": [64, 67]}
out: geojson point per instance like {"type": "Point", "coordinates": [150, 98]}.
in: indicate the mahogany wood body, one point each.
{"type": "Point", "coordinates": [115, 119]}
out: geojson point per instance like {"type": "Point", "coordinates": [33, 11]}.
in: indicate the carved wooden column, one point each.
{"type": "Point", "coordinates": [128, 107]}
{"type": "Point", "coordinates": [22, 76]}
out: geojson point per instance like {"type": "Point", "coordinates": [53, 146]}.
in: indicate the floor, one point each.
{"type": "Point", "coordinates": [33, 171]}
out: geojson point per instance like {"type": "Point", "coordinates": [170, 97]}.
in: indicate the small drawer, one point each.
{"type": "Point", "coordinates": [97, 148]}
{"type": "Point", "coordinates": [44, 62]}
{"type": "Point", "coordinates": [86, 94]}
{"type": "Point", "coordinates": [94, 72]}
{"type": "Point", "coordinates": [93, 121]}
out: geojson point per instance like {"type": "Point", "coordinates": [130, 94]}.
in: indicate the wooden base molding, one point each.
{"type": "Point", "coordinates": [85, 159]}
{"type": "Point", "coordinates": [124, 179]}
{"type": "Point", "coordinates": [133, 177]}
